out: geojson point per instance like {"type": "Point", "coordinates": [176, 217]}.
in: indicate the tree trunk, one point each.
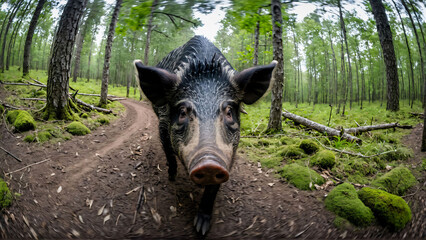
{"type": "Point", "coordinates": [79, 47]}
{"type": "Point", "coordinates": [423, 77]}
{"type": "Point", "coordinates": [278, 74]}
{"type": "Point", "coordinates": [57, 105]}
{"type": "Point", "coordinates": [110, 39]}
{"type": "Point", "coordinates": [11, 17]}
{"type": "Point", "coordinates": [149, 31]}
{"type": "Point", "coordinates": [256, 41]}
{"type": "Point", "coordinates": [30, 33]}
{"type": "Point", "coordinates": [385, 35]}
{"type": "Point", "coordinates": [13, 36]}
{"type": "Point", "coordinates": [349, 81]}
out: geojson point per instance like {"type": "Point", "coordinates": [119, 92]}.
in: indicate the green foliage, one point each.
{"type": "Point", "coordinates": [401, 154]}
{"type": "Point", "coordinates": [324, 159]}
{"type": "Point", "coordinates": [77, 128]}
{"type": "Point", "coordinates": [424, 164]}
{"type": "Point", "coordinates": [343, 200]}
{"type": "Point", "coordinates": [302, 177]}
{"type": "Point", "coordinates": [390, 210]}
{"type": "Point", "coordinates": [397, 181]}
{"type": "Point", "coordinates": [5, 195]}
{"type": "Point", "coordinates": [84, 115]}
{"type": "Point", "coordinates": [309, 146]}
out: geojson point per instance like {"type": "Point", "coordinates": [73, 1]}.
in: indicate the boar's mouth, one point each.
{"type": "Point", "coordinates": [208, 169]}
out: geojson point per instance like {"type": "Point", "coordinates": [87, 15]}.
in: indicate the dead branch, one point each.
{"type": "Point", "coordinates": [419, 115]}
{"type": "Point", "coordinates": [30, 165]}
{"type": "Point", "coordinates": [321, 128]}
{"type": "Point", "coordinates": [9, 153]}
{"type": "Point", "coordinates": [91, 106]}
{"type": "Point", "coordinates": [9, 106]}
{"type": "Point", "coordinates": [96, 95]}
{"type": "Point", "coordinates": [353, 153]}
{"type": "Point", "coordinates": [34, 99]}
{"type": "Point", "coordinates": [23, 84]}
{"type": "Point", "coordinates": [376, 127]}
{"type": "Point", "coordinates": [37, 81]}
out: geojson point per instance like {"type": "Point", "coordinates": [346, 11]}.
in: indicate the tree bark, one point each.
{"type": "Point", "coordinates": [30, 34]}
{"type": "Point", "coordinates": [57, 105]}
{"type": "Point", "coordinates": [349, 81]}
{"type": "Point", "coordinates": [321, 128]}
{"type": "Point", "coordinates": [110, 39]}
{"type": "Point", "coordinates": [149, 31]}
{"type": "Point", "coordinates": [385, 35]}
{"type": "Point", "coordinates": [376, 127]}
{"type": "Point", "coordinates": [256, 41]}
{"type": "Point", "coordinates": [278, 74]}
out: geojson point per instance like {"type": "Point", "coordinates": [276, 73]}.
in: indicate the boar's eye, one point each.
{"type": "Point", "coordinates": [183, 114]}
{"type": "Point", "coordinates": [228, 114]}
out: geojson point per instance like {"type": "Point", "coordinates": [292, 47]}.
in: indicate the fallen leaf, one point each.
{"type": "Point", "coordinates": [156, 216]}
{"type": "Point", "coordinates": [80, 218]}
{"type": "Point", "coordinates": [190, 196]}
{"type": "Point", "coordinates": [26, 220]}
{"type": "Point", "coordinates": [111, 203]}
{"type": "Point", "coordinates": [101, 210]}
{"type": "Point", "coordinates": [158, 167]}
{"type": "Point", "coordinates": [108, 217]}
{"type": "Point", "coordinates": [271, 184]}
{"type": "Point", "coordinates": [75, 233]}
{"type": "Point", "coordinates": [59, 189]}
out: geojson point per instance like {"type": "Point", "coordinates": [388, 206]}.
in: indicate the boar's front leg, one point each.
{"type": "Point", "coordinates": [204, 215]}
{"type": "Point", "coordinates": [165, 141]}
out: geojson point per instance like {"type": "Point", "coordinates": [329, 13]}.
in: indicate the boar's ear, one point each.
{"type": "Point", "coordinates": [156, 83]}
{"type": "Point", "coordinates": [254, 82]}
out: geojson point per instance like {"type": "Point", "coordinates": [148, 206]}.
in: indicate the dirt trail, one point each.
{"type": "Point", "coordinates": [96, 198]}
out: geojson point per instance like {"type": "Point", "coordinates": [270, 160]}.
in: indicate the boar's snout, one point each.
{"type": "Point", "coordinates": [208, 171]}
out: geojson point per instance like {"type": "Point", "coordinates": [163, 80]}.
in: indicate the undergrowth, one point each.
{"type": "Point", "coordinates": [291, 146]}
{"type": "Point", "coordinates": [56, 130]}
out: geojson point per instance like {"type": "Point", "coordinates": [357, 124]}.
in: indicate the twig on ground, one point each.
{"type": "Point", "coordinates": [140, 200]}
{"type": "Point", "coordinates": [30, 165]}
{"type": "Point", "coordinates": [15, 157]}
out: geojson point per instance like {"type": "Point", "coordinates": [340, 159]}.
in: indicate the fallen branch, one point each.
{"type": "Point", "coordinates": [141, 199]}
{"type": "Point", "coordinates": [23, 84]}
{"type": "Point", "coordinates": [419, 115]}
{"type": "Point", "coordinates": [91, 106]}
{"type": "Point", "coordinates": [9, 106]}
{"type": "Point", "coordinates": [376, 127]}
{"type": "Point", "coordinates": [32, 164]}
{"type": "Point", "coordinates": [15, 157]}
{"type": "Point", "coordinates": [321, 128]}
{"type": "Point", "coordinates": [37, 81]}
{"type": "Point", "coordinates": [33, 99]}
{"type": "Point", "coordinates": [95, 95]}
{"type": "Point", "coordinates": [353, 153]}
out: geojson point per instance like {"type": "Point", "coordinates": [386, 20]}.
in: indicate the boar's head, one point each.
{"type": "Point", "coordinates": [203, 103]}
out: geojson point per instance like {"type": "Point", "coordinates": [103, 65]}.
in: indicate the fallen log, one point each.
{"type": "Point", "coordinates": [419, 115]}
{"type": "Point", "coordinates": [96, 95]}
{"type": "Point", "coordinates": [321, 128]}
{"type": "Point", "coordinates": [376, 127]}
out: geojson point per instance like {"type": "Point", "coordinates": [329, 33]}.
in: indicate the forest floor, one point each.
{"type": "Point", "coordinates": [89, 188]}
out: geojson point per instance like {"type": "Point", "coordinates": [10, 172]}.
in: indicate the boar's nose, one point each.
{"type": "Point", "coordinates": [209, 172]}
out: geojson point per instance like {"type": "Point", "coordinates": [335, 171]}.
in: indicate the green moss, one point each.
{"type": "Point", "coordinates": [1, 109]}
{"type": "Point", "coordinates": [400, 154]}
{"type": "Point", "coordinates": [302, 177]}
{"type": "Point", "coordinates": [11, 116]}
{"type": "Point", "coordinates": [29, 138]}
{"type": "Point", "coordinates": [341, 223]}
{"type": "Point", "coordinates": [44, 136]}
{"type": "Point", "coordinates": [5, 195]}
{"type": "Point", "coordinates": [291, 151]}
{"type": "Point", "coordinates": [324, 159]}
{"type": "Point", "coordinates": [397, 181]}
{"type": "Point", "coordinates": [24, 121]}
{"type": "Point", "coordinates": [309, 146]}
{"type": "Point", "coordinates": [77, 128]}
{"type": "Point", "coordinates": [40, 93]}
{"type": "Point", "coordinates": [84, 115]}
{"type": "Point", "coordinates": [391, 210]}
{"type": "Point", "coordinates": [424, 164]}
{"type": "Point", "coordinates": [103, 120]}
{"type": "Point", "coordinates": [343, 201]}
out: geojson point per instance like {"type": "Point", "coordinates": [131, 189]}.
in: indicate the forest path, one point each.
{"type": "Point", "coordinates": [90, 189]}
